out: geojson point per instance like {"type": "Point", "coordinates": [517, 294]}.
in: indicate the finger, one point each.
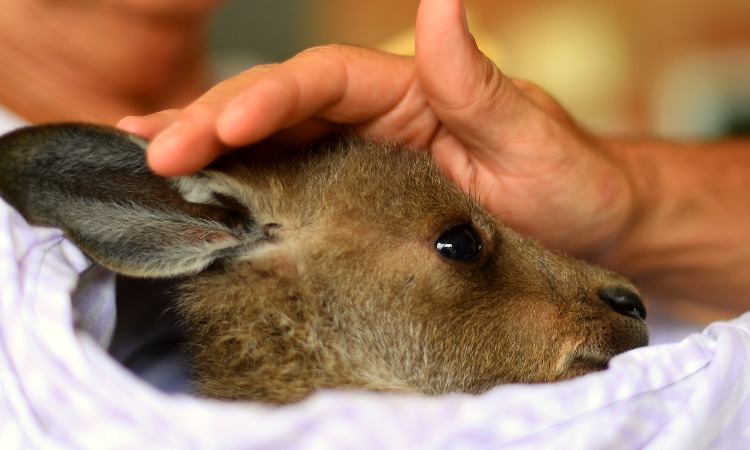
{"type": "Point", "coordinates": [337, 84]}
{"type": "Point", "coordinates": [465, 89]}
{"type": "Point", "coordinates": [185, 141]}
{"type": "Point", "coordinates": [315, 91]}
{"type": "Point", "coordinates": [187, 146]}
{"type": "Point", "coordinates": [149, 126]}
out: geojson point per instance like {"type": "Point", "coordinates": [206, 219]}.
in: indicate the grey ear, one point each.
{"type": "Point", "coordinates": [93, 183]}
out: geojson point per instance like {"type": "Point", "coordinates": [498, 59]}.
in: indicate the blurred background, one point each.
{"type": "Point", "coordinates": [673, 68]}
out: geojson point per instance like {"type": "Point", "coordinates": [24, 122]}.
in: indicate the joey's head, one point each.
{"type": "Point", "coordinates": [351, 264]}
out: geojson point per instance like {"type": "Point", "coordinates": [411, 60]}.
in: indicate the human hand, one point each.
{"type": "Point", "coordinates": [505, 141]}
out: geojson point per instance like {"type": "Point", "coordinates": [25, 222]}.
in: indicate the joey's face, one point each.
{"type": "Point", "coordinates": [460, 302]}
{"type": "Point", "coordinates": [378, 273]}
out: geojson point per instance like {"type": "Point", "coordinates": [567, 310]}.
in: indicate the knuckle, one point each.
{"type": "Point", "coordinates": [540, 98]}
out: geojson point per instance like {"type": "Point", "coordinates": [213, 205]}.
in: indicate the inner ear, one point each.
{"type": "Point", "coordinates": [203, 199]}
{"type": "Point", "coordinates": [227, 211]}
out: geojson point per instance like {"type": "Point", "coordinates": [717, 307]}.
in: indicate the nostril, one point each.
{"type": "Point", "coordinates": [623, 301]}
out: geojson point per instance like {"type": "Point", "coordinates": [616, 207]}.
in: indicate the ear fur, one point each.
{"type": "Point", "coordinates": [93, 183]}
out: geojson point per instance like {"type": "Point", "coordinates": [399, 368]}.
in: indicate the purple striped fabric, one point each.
{"type": "Point", "coordinates": [60, 389]}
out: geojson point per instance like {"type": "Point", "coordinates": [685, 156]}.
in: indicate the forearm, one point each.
{"type": "Point", "coordinates": [688, 239]}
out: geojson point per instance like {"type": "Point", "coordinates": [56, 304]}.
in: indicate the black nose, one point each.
{"type": "Point", "coordinates": [623, 301]}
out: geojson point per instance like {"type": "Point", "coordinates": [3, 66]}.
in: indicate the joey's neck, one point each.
{"type": "Point", "coordinates": [94, 61]}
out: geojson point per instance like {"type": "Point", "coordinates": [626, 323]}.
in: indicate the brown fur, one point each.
{"type": "Point", "coordinates": [344, 287]}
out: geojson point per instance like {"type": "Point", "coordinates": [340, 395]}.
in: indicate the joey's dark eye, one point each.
{"type": "Point", "coordinates": [459, 242]}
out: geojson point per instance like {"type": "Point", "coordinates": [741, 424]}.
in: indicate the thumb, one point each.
{"type": "Point", "coordinates": [464, 87]}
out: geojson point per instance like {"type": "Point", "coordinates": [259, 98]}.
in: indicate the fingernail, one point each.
{"type": "Point", "coordinates": [233, 111]}
{"type": "Point", "coordinates": [128, 124]}
{"type": "Point", "coordinates": [165, 135]}
{"type": "Point", "coordinates": [233, 120]}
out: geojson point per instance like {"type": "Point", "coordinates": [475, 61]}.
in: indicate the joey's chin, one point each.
{"type": "Point", "coordinates": [577, 365]}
